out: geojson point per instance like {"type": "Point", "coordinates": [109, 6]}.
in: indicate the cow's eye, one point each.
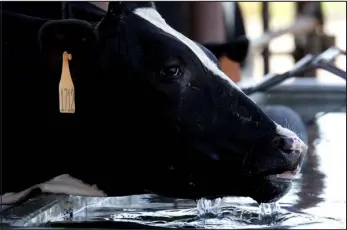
{"type": "Point", "coordinates": [171, 71]}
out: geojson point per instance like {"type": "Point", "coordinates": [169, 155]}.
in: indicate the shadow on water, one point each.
{"type": "Point", "coordinates": [317, 199]}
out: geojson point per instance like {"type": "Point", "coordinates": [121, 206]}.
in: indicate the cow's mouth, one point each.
{"type": "Point", "coordinates": [287, 176]}
{"type": "Point", "coordinates": [276, 184]}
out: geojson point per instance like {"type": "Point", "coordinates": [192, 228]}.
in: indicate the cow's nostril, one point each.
{"type": "Point", "coordinates": [287, 143]}
{"type": "Point", "coordinates": [284, 143]}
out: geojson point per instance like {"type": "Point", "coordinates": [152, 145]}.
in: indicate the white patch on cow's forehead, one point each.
{"type": "Point", "coordinates": [155, 18]}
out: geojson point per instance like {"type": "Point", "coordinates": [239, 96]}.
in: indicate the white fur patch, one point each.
{"type": "Point", "coordinates": [152, 16]}
{"type": "Point", "coordinates": [63, 184]}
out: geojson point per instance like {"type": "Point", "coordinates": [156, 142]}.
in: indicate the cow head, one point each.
{"type": "Point", "coordinates": [164, 99]}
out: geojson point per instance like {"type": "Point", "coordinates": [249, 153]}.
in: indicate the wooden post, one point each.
{"type": "Point", "coordinates": [266, 21]}
{"type": "Point", "coordinates": [311, 42]}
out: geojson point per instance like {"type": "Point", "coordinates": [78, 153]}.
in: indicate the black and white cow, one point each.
{"type": "Point", "coordinates": [154, 114]}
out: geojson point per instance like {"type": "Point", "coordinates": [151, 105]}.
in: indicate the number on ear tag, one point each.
{"type": "Point", "coordinates": [66, 87]}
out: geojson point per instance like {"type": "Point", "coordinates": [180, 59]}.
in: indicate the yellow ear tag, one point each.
{"type": "Point", "coordinates": [66, 87]}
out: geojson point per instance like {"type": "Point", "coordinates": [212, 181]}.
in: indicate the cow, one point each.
{"type": "Point", "coordinates": [153, 113]}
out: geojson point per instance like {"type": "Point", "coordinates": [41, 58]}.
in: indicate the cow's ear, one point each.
{"type": "Point", "coordinates": [76, 37]}
{"type": "Point", "coordinates": [69, 34]}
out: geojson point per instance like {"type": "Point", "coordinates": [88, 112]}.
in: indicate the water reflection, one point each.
{"type": "Point", "coordinates": [312, 180]}
{"type": "Point", "coordinates": [331, 157]}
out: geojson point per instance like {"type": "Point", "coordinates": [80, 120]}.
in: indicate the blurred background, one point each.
{"type": "Point", "coordinates": [282, 14]}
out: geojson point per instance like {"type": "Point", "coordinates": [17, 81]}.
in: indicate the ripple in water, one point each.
{"type": "Point", "coordinates": [215, 214]}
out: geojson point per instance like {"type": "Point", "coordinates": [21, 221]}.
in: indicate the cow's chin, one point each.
{"type": "Point", "coordinates": [266, 189]}
{"type": "Point", "coordinates": [272, 188]}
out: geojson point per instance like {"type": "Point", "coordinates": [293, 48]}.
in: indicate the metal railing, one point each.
{"type": "Point", "coordinates": [307, 28]}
